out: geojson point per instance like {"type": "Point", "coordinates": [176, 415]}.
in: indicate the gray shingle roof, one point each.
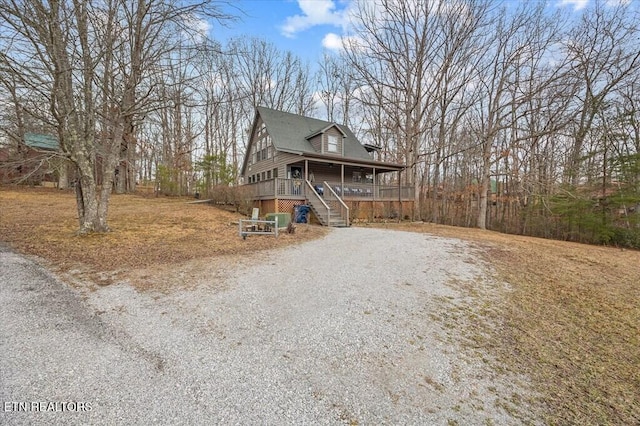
{"type": "Point", "coordinates": [289, 132]}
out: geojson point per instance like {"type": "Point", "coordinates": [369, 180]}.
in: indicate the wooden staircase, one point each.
{"type": "Point", "coordinates": [327, 218]}
{"type": "Point", "coordinates": [327, 210]}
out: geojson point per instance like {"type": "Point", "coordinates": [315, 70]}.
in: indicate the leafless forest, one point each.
{"type": "Point", "coordinates": [517, 116]}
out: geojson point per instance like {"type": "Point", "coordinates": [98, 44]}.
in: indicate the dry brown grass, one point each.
{"type": "Point", "coordinates": [571, 321]}
{"type": "Point", "coordinates": [147, 233]}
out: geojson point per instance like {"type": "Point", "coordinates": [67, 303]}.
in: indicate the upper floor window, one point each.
{"type": "Point", "coordinates": [332, 143]}
{"type": "Point", "coordinates": [262, 148]}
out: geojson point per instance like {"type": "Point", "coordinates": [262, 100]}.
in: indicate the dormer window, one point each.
{"type": "Point", "coordinates": [332, 143]}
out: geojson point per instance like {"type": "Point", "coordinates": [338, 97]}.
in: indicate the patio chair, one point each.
{"type": "Point", "coordinates": [255, 215]}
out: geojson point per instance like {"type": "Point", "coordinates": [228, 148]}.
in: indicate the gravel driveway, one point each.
{"type": "Point", "coordinates": [335, 331]}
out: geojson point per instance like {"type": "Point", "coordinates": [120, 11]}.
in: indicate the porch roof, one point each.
{"type": "Point", "coordinates": [380, 166]}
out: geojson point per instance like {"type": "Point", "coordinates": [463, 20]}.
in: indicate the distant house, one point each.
{"type": "Point", "coordinates": [42, 142]}
{"type": "Point", "coordinates": [292, 160]}
{"type": "Point", "coordinates": [35, 161]}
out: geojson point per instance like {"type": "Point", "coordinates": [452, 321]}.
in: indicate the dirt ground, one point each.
{"type": "Point", "coordinates": [569, 316]}
{"type": "Point", "coordinates": [153, 239]}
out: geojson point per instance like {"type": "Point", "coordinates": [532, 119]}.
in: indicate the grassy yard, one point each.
{"type": "Point", "coordinates": [159, 236]}
{"type": "Point", "coordinates": [569, 319]}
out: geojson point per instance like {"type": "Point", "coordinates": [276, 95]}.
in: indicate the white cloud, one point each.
{"type": "Point", "coordinates": [314, 12]}
{"type": "Point", "coordinates": [318, 102]}
{"type": "Point", "coordinates": [332, 41]}
{"type": "Point", "coordinates": [577, 4]}
{"type": "Point", "coordinates": [581, 4]}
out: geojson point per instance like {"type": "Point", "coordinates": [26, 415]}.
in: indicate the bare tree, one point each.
{"type": "Point", "coordinates": [509, 79]}
{"type": "Point", "coordinates": [392, 54]}
{"type": "Point", "coordinates": [61, 67]}
{"type": "Point", "coordinates": [61, 49]}
{"type": "Point", "coordinates": [603, 52]}
{"type": "Point", "coordinates": [271, 77]}
{"type": "Point", "coordinates": [461, 26]}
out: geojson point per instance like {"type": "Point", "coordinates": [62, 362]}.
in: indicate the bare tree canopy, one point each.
{"type": "Point", "coordinates": [92, 64]}
{"type": "Point", "coordinates": [496, 105]}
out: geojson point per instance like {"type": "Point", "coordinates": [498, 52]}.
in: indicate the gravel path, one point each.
{"type": "Point", "coordinates": [335, 331]}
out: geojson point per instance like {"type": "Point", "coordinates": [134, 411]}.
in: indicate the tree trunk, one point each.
{"type": "Point", "coordinates": [485, 184]}
{"type": "Point", "coordinates": [87, 202]}
{"type": "Point", "coordinates": [63, 174]}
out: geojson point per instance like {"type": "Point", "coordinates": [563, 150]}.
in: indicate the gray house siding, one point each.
{"type": "Point", "coordinates": [316, 142]}
{"type": "Point", "coordinates": [262, 155]}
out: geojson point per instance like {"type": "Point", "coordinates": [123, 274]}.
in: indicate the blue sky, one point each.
{"type": "Point", "coordinates": [305, 27]}
{"type": "Point", "coordinates": [308, 27]}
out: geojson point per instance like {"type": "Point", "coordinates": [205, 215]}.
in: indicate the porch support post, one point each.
{"type": "Point", "coordinates": [374, 184]}
{"type": "Point", "coordinates": [306, 177]}
{"type": "Point", "coordinates": [399, 195]}
{"type": "Point", "coordinates": [275, 193]}
{"type": "Point", "coordinates": [342, 179]}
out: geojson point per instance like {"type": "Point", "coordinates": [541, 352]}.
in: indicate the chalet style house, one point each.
{"type": "Point", "coordinates": [293, 160]}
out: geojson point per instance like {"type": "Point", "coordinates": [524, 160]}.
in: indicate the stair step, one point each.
{"type": "Point", "coordinates": [335, 218]}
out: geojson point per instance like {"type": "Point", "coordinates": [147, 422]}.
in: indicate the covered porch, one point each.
{"type": "Point", "coordinates": [338, 192]}
{"type": "Point", "coordinates": [380, 182]}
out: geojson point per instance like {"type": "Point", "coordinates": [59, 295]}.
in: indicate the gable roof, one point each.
{"type": "Point", "coordinates": [291, 133]}
{"type": "Point", "coordinates": [324, 129]}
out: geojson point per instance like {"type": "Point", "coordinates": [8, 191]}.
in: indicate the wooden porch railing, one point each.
{"type": "Point", "coordinates": [278, 188]}
{"type": "Point", "coordinates": [289, 187]}
{"type": "Point", "coordinates": [297, 189]}
{"type": "Point", "coordinates": [370, 191]}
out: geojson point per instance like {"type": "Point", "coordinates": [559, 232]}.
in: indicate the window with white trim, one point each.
{"type": "Point", "coordinates": [332, 143]}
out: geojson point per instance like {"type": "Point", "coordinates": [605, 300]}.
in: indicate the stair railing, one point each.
{"type": "Point", "coordinates": [343, 208]}
{"type": "Point", "coordinates": [311, 192]}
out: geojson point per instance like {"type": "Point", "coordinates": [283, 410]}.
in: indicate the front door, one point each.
{"type": "Point", "coordinates": [295, 179]}
{"type": "Point", "coordinates": [295, 172]}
